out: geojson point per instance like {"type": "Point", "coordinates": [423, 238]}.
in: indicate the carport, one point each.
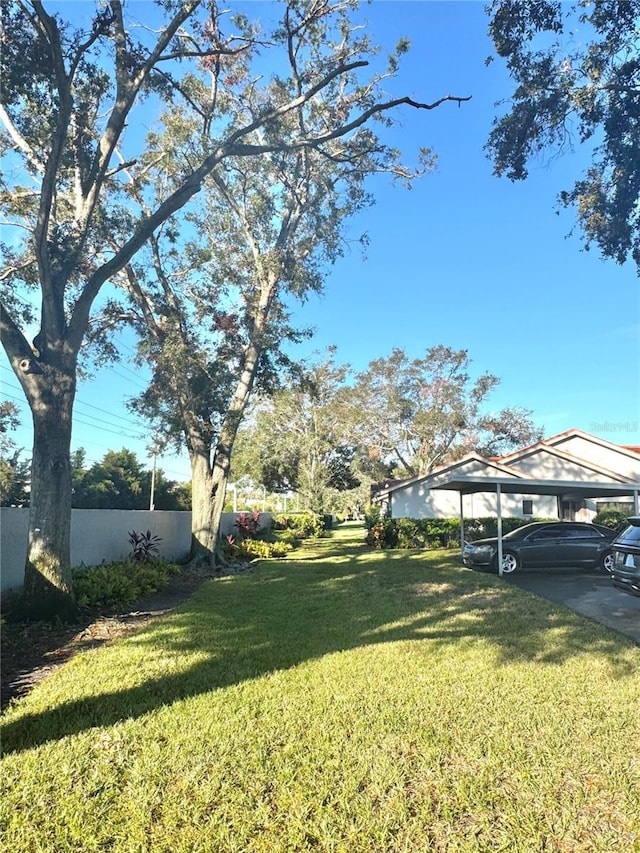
{"type": "Point", "coordinates": [467, 485]}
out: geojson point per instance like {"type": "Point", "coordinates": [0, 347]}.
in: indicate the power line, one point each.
{"type": "Point", "coordinates": [119, 431]}
{"type": "Point", "coordinates": [111, 414]}
{"type": "Point", "coordinates": [126, 378]}
{"type": "Point", "coordinates": [79, 402]}
{"type": "Point", "coordinates": [102, 425]}
{"type": "Point", "coordinates": [137, 382]}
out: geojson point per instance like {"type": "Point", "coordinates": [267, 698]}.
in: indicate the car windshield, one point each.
{"type": "Point", "coordinates": [630, 535]}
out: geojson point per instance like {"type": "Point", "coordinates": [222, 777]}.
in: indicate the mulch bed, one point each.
{"type": "Point", "coordinates": [31, 651]}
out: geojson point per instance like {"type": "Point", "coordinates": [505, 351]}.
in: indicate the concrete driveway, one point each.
{"type": "Point", "coordinates": [589, 593]}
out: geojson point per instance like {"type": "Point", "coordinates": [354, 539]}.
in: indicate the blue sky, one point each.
{"type": "Point", "coordinates": [463, 259]}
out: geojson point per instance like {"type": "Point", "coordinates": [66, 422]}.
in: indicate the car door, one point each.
{"type": "Point", "coordinates": [562, 544]}
{"type": "Point", "coordinates": [581, 545]}
{"type": "Point", "coordinates": [540, 548]}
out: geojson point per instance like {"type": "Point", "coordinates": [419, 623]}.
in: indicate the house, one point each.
{"type": "Point", "coordinates": [571, 476]}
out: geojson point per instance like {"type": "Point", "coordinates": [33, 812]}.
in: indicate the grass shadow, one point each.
{"type": "Point", "coordinates": [333, 599]}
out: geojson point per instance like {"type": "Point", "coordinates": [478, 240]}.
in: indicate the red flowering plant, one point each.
{"type": "Point", "coordinates": [248, 524]}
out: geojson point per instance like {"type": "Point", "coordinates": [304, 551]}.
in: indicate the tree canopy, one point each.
{"type": "Point", "coordinates": [120, 481]}
{"type": "Point", "coordinates": [14, 471]}
{"type": "Point", "coordinates": [400, 417]}
{"type": "Point", "coordinates": [576, 69]}
{"type": "Point", "coordinates": [416, 413]}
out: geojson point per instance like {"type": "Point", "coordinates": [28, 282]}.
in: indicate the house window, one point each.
{"type": "Point", "coordinates": [527, 507]}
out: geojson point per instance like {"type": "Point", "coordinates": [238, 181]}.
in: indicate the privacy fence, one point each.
{"type": "Point", "coordinates": [101, 535]}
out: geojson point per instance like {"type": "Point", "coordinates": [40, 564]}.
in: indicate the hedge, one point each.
{"type": "Point", "coordinates": [436, 532]}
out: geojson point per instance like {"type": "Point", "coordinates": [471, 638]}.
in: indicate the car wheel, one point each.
{"type": "Point", "coordinates": [607, 562]}
{"type": "Point", "coordinates": [510, 562]}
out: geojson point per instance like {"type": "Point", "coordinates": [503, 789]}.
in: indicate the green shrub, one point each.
{"type": "Point", "coordinates": [144, 546]}
{"type": "Point", "coordinates": [371, 515]}
{"type": "Point", "coordinates": [441, 532]}
{"type": "Point", "coordinates": [410, 533]}
{"type": "Point", "coordinates": [117, 584]}
{"type": "Point", "coordinates": [613, 517]}
{"type": "Point", "coordinates": [436, 532]}
{"type": "Point", "coordinates": [428, 532]}
{"type": "Point", "coordinates": [304, 524]}
{"type": "Point", "coordinates": [288, 536]}
{"type": "Point", "coordinates": [252, 549]}
{"type": "Point", "coordinates": [384, 534]}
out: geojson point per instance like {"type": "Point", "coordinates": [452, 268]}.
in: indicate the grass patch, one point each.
{"type": "Point", "coordinates": [340, 700]}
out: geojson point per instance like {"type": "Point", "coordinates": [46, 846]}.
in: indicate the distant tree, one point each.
{"type": "Point", "coordinates": [14, 471]}
{"type": "Point", "coordinates": [168, 495]}
{"type": "Point", "coordinates": [296, 440]}
{"type": "Point", "coordinates": [117, 482]}
{"type": "Point", "coordinates": [576, 67]}
{"type": "Point", "coordinates": [70, 89]}
{"type": "Point", "coordinates": [120, 481]}
{"type": "Point", "coordinates": [423, 412]}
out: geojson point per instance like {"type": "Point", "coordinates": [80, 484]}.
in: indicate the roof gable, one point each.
{"type": "Point", "coordinates": [541, 460]}
{"type": "Point", "coordinates": [471, 462]}
{"type": "Point", "coordinates": [566, 437]}
{"type": "Point", "coordinates": [588, 451]}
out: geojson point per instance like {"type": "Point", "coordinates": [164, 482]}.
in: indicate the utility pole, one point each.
{"type": "Point", "coordinates": [153, 482]}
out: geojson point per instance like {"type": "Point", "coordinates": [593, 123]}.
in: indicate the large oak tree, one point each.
{"type": "Point", "coordinates": [211, 292]}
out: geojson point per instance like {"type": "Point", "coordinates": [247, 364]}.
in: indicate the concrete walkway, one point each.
{"type": "Point", "coordinates": [589, 593]}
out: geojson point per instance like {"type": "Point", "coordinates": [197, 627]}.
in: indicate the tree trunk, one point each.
{"type": "Point", "coordinates": [205, 515]}
{"type": "Point", "coordinates": [48, 592]}
{"type": "Point", "coordinates": [209, 481]}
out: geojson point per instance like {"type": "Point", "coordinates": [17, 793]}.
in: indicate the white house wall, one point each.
{"type": "Point", "coordinates": [483, 504]}
{"type": "Point", "coordinates": [573, 457]}
{"type": "Point", "coordinates": [417, 501]}
{"type": "Point", "coordinates": [606, 457]}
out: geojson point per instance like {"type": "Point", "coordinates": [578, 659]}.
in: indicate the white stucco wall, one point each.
{"type": "Point", "coordinates": [99, 535]}
{"type": "Point", "coordinates": [416, 501]}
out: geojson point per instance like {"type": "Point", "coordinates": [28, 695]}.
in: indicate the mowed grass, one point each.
{"type": "Point", "coordinates": [340, 700]}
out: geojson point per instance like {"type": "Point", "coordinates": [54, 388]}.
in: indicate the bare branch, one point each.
{"type": "Point", "coordinates": [343, 130]}
{"type": "Point", "coordinates": [20, 142]}
{"type": "Point", "coordinates": [9, 271]}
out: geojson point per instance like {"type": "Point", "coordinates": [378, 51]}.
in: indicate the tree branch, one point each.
{"type": "Point", "coordinates": [20, 142]}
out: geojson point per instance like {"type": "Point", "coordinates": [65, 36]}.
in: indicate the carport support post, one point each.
{"type": "Point", "coordinates": [499, 508]}
{"type": "Point", "coordinates": [461, 522]}
{"type": "Point", "coordinates": [636, 508]}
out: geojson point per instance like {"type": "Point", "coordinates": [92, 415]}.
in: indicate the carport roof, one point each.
{"type": "Point", "coordinates": [467, 485]}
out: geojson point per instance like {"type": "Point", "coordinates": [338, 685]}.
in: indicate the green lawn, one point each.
{"type": "Point", "coordinates": [340, 700]}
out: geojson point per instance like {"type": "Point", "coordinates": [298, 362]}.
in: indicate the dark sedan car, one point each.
{"type": "Point", "coordinates": [626, 558]}
{"type": "Point", "coordinates": [553, 544]}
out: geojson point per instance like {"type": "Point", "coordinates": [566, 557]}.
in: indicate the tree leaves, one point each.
{"type": "Point", "coordinates": [577, 73]}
